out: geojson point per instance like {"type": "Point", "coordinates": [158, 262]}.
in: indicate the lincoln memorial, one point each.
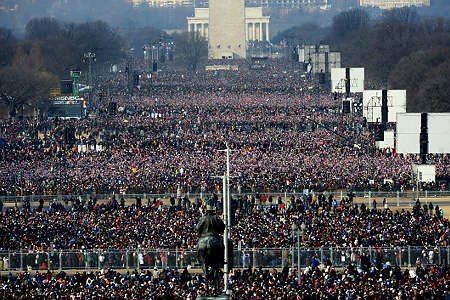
{"type": "Point", "coordinates": [256, 25]}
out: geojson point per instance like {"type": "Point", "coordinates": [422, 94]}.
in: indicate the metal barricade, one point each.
{"type": "Point", "coordinates": [244, 258]}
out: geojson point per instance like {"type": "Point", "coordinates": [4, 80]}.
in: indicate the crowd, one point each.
{"type": "Point", "coordinates": [258, 222]}
{"type": "Point", "coordinates": [287, 132]}
{"type": "Point", "coordinates": [288, 135]}
{"type": "Point", "coordinates": [380, 281]}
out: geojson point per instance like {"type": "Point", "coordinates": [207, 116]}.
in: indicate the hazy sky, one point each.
{"type": "Point", "coordinates": [14, 14]}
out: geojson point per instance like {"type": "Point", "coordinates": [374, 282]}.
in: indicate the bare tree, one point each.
{"type": "Point", "coordinates": [192, 49]}
{"type": "Point", "coordinates": [434, 90]}
{"type": "Point", "coordinates": [7, 45]}
{"type": "Point", "coordinates": [43, 28]}
{"type": "Point", "coordinates": [348, 21]}
{"type": "Point", "coordinates": [25, 82]}
{"type": "Point", "coordinates": [418, 73]}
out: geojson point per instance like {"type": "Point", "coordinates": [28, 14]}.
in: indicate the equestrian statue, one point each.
{"type": "Point", "coordinates": [210, 246]}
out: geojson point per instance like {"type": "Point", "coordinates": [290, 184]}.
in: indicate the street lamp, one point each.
{"type": "Point", "coordinates": [226, 217]}
{"type": "Point", "coordinates": [89, 57]}
{"type": "Point", "coordinates": [146, 56]}
{"type": "Point", "coordinates": [299, 232]}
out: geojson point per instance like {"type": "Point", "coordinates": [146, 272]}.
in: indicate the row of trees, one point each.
{"type": "Point", "coordinates": [394, 49]}
{"type": "Point", "coordinates": [399, 50]}
{"type": "Point", "coordinates": [191, 50]}
{"type": "Point", "coordinates": [117, 13]}
{"type": "Point", "coordinates": [64, 44]}
{"type": "Point", "coordinates": [29, 68]}
{"type": "Point", "coordinates": [426, 77]}
{"type": "Point", "coordinates": [25, 83]}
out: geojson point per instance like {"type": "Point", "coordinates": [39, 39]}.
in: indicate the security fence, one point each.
{"type": "Point", "coordinates": [242, 258]}
{"type": "Point", "coordinates": [393, 198]}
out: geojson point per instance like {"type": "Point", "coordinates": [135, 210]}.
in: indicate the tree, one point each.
{"type": "Point", "coordinates": [413, 71]}
{"type": "Point", "coordinates": [433, 95]}
{"type": "Point", "coordinates": [99, 37]}
{"type": "Point", "coordinates": [191, 48]}
{"type": "Point", "coordinates": [25, 82]}
{"type": "Point", "coordinates": [7, 44]}
{"type": "Point", "coordinates": [380, 46]}
{"type": "Point", "coordinates": [403, 16]}
{"type": "Point", "coordinates": [349, 21]}
{"type": "Point", "coordinates": [63, 44]}
{"type": "Point", "coordinates": [43, 29]}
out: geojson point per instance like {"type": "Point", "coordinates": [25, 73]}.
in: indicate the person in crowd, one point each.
{"type": "Point", "coordinates": [159, 226]}
{"type": "Point", "coordinates": [318, 282]}
{"type": "Point", "coordinates": [287, 137]}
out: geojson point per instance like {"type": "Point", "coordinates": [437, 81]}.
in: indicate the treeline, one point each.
{"type": "Point", "coordinates": [124, 14]}
{"type": "Point", "coordinates": [426, 76]}
{"type": "Point", "coordinates": [399, 50]}
{"type": "Point", "coordinates": [64, 44]}
{"type": "Point", "coordinates": [118, 13]}
{"type": "Point", "coordinates": [31, 66]}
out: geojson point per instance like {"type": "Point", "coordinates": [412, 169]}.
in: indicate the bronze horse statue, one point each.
{"type": "Point", "coordinates": [210, 246]}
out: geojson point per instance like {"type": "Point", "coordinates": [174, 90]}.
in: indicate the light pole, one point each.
{"type": "Point", "coordinates": [225, 206]}
{"type": "Point", "coordinates": [226, 216]}
{"type": "Point", "coordinates": [146, 48]}
{"type": "Point", "coordinates": [226, 231]}
{"type": "Point", "coordinates": [228, 189]}
{"type": "Point", "coordinates": [227, 175]}
{"type": "Point", "coordinates": [89, 57]}
{"type": "Point", "coordinates": [299, 232]}
{"type": "Point", "coordinates": [130, 70]}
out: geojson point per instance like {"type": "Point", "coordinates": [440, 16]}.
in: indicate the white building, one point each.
{"type": "Point", "coordinates": [258, 3]}
{"type": "Point", "coordinates": [288, 3]}
{"type": "Point", "coordinates": [390, 4]}
{"type": "Point", "coordinates": [256, 25]}
{"type": "Point", "coordinates": [163, 3]}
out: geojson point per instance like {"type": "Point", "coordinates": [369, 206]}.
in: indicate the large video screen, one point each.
{"type": "Point", "coordinates": [408, 132]}
{"type": "Point", "coordinates": [372, 100]}
{"type": "Point", "coordinates": [339, 78]}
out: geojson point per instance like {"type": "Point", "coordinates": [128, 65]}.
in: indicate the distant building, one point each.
{"type": "Point", "coordinates": [248, 3]}
{"type": "Point", "coordinates": [163, 3]}
{"type": "Point", "coordinates": [287, 3]}
{"type": "Point", "coordinates": [256, 24]}
{"type": "Point", "coordinates": [390, 4]}
{"type": "Point", "coordinates": [226, 29]}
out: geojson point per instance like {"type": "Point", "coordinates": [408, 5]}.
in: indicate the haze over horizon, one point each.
{"type": "Point", "coordinates": [15, 14]}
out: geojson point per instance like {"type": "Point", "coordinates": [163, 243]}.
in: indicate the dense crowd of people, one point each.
{"type": "Point", "coordinates": [287, 133]}
{"type": "Point", "coordinates": [269, 224]}
{"type": "Point", "coordinates": [380, 281]}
